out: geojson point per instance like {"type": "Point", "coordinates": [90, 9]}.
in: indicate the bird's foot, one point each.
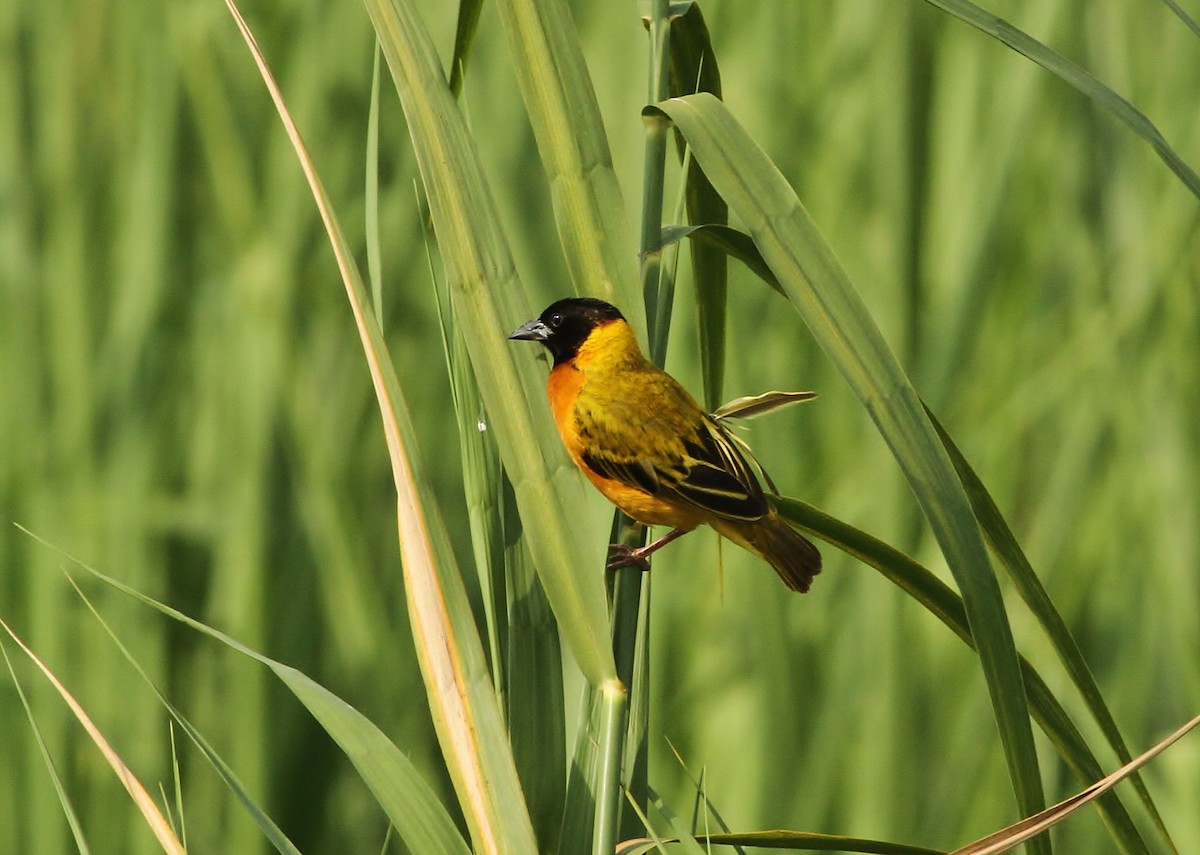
{"type": "Point", "coordinates": [626, 556]}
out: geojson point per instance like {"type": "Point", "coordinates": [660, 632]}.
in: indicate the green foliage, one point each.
{"type": "Point", "coordinates": [184, 402]}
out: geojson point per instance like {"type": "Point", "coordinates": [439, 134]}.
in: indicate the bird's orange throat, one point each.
{"type": "Point", "coordinates": [562, 388]}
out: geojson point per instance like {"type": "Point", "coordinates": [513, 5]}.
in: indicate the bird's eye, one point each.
{"type": "Point", "coordinates": [556, 320]}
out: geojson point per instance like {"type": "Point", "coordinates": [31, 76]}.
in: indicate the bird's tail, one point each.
{"type": "Point", "coordinates": [794, 558]}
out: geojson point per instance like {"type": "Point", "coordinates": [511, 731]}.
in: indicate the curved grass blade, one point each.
{"type": "Point", "coordinates": [523, 636]}
{"type": "Point", "coordinates": [795, 841]}
{"type": "Point", "coordinates": [465, 711]}
{"type": "Point", "coordinates": [822, 293]}
{"type": "Point", "coordinates": [1020, 571]}
{"type": "Point", "coordinates": [63, 799]}
{"type": "Point", "coordinates": [410, 804]}
{"type": "Point", "coordinates": [561, 103]}
{"type": "Point", "coordinates": [488, 302]}
{"type": "Point", "coordinates": [1018, 833]}
{"type": "Point", "coordinates": [268, 827]}
{"type": "Point", "coordinates": [141, 797]}
{"type": "Point", "coordinates": [944, 604]}
{"type": "Point", "coordinates": [1082, 81]}
{"type": "Point", "coordinates": [751, 406]}
{"type": "Point", "coordinates": [728, 240]}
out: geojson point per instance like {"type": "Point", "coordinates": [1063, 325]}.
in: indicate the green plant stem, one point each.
{"type": "Point", "coordinates": [627, 593]}
{"type": "Point", "coordinates": [657, 127]}
{"type": "Point", "coordinates": [614, 701]}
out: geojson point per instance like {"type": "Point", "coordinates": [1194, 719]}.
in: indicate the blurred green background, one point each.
{"type": "Point", "coordinates": [184, 403]}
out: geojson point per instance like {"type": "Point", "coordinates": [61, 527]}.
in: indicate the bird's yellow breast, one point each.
{"type": "Point", "coordinates": [607, 388]}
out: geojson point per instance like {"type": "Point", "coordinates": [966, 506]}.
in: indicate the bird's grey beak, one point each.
{"type": "Point", "coordinates": [535, 330]}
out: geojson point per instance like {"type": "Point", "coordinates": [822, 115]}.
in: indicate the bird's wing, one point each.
{"type": "Point", "coordinates": [672, 450]}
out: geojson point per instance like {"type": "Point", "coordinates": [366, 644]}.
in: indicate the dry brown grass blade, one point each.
{"type": "Point", "coordinates": [1018, 833]}
{"type": "Point", "coordinates": [153, 816]}
{"type": "Point", "coordinates": [756, 405]}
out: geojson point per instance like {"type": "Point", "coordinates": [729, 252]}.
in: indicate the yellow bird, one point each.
{"type": "Point", "coordinates": [646, 444]}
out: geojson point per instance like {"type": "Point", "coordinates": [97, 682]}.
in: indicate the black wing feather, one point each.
{"type": "Point", "coordinates": [705, 469]}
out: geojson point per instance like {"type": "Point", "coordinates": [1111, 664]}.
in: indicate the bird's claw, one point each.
{"type": "Point", "coordinates": [626, 556]}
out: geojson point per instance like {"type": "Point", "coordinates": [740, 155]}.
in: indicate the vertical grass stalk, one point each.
{"type": "Point", "coordinates": [627, 594]}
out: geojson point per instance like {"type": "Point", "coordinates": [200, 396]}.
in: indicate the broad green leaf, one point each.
{"type": "Point", "coordinates": [1082, 81]}
{"type": "Point", "coordinates": [729, 241]}
{"type": "Point", "coordinates": [465, 710]}
{"type": "Point", "coordinates": [822, 293]}
{"type": "Point", "coordinates": [489, 302]}
{"type": "Point", "coordinates": [561, 104]}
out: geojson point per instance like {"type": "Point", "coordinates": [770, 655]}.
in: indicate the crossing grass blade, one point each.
{"type": "Point", "coordinates": [1016, 564]}
{"type": "Point", "coordinates": [268, 827]}
{"type": "Point", "coordinates": [489, 302]}
{"type": "Point", "coordinates": [68, 809]}
{"type": "Point", "coordinates": [461, 697]}
{"type": "Point", "coordinates": [141, 797]}
{"type": "Point", "coordinates": [408, 801]}
{"type": "Point", "coordinates": [1002, 540]}
{"type": "Point", "coordinates": [1018, 833]}
{"type": "Point", "coordinates": [1078, 78]}
{"type": "Point", "coordinates": [947, 606]}
{"type": "Point", "coordinates": [822, 293]}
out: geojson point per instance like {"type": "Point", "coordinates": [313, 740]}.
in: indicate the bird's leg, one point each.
{"type": "Point", "coordinates": [624, 556]}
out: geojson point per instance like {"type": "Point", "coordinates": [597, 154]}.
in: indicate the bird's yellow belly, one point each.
{"type": "Point", "coordinates": [641, 505]}
{"type": "Point", "coordinates": [564, 386]}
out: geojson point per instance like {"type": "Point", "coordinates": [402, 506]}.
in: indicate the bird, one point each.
{"type": "Point", "coordinates": [645, 443]}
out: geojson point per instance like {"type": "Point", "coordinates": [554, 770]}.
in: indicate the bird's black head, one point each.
{"type": "Point", "coordinates": [565, 325]}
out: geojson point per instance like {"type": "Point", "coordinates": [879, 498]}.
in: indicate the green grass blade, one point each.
{"type": "Point", "coordinates": [579, 803]}
{"type": "Point", "coordinates": [141, 798]}
{"type": "Point", "coordinates": [270, 830]}
{"type": "Point", "coordinates": [1030, 587]}
{"type": "Point", "coordinates": [482, 476]}
{"type": "Point", "coordinates": [1082, 81]}
{"type": "Point", "coordinates": [410, 804]}
{"type": "Point", "coordinates": [1009, 838]}
{"type": "Point", "coordinates": [464, 35]}
{"type": "Point", "coordinates": [944, 604]}
{"type": "Point", "coordinates": [489, 302]}
{"type": "Point", "coordinates": [371, 197]}
{"type": "Point", "coordinates": [561, 104]}
{"type": "Point", "coordinates": [465, 710]}
{"type": "Point", "coordinates": [821, 291]}
{"type": "Point", "coordinates": [534, 691]}
{"type": "Point", "coordinates": [797, 841]}
{"type": "Point", "coordinates": [729, 241]}
{"type": "Point", "coordinates": [693, 68]}
{"type": "Point", "coordinates": [68, 809]}
{"type": "Point", "coordinates": [1183, 16]}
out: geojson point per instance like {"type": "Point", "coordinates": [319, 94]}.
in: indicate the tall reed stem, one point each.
{"type": "Point", "coordinates": [657, 291]}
